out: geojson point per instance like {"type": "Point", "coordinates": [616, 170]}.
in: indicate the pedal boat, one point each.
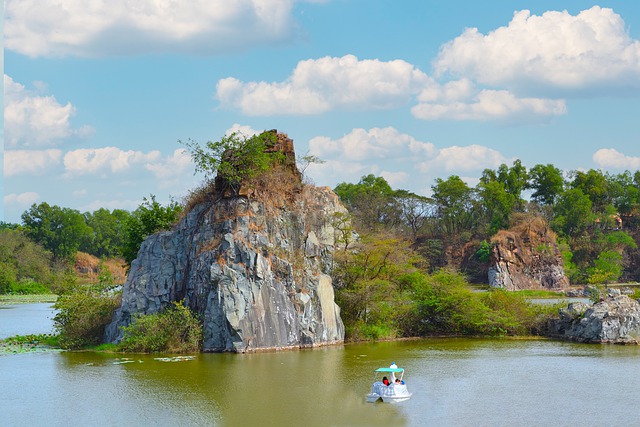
{"type": "Point", "coordinates": [392, 393]}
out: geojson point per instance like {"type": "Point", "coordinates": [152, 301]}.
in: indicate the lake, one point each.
{"type": "Point", "coordinates": [455, 382]}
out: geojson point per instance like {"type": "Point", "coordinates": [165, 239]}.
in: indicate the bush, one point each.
{"type": "Point", "coordinates": [83, 313]}
{"type": "Point", "coordinates": [28, 287]}
{"type": "Point", "coordinates": [174, 330]}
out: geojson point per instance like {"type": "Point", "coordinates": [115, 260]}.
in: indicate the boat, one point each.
{"type": "Point", "coordinates": [394, 392]}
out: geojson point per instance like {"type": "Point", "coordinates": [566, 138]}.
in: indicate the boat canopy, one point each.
{"type": "Point", "coordinates": [395, 370]}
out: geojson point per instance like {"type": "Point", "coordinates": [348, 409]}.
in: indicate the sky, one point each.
{"type": "Point", "coordinates": [99, 95]}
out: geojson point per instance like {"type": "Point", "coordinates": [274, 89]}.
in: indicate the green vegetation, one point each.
{"type": "Point", "coordinates": [174, 330]}
{"type": "Point", "coordinates": [83, 313]}
{"type": "Point", "coordinates": [149, 218]}
{"type": "Point", "coordinates": [407, 274]}
{"type": "Point", "coordinates": [28, 343]}
{"type": "Point", "coordinates": [235, 159]}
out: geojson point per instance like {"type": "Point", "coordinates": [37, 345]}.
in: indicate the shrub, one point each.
{"type": "Point", "coordinates": [28, 287]}
{"type": "Point", "coordinates": [83, 312]}
{"type": "Point", "coordinates": [174, 330]}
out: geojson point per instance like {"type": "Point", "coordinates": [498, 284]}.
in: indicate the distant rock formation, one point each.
{"type": "Point", "coordinates": [526, 257]}
{"type": "Point", "coordinates": [256, 269]}
{"type": "Point", "coordinates": [615, 319]}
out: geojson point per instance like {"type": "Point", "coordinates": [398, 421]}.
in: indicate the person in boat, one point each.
{"type": "Point", "coordinates": [385, 381]}
{"type": "Point", "coordinates": [398, 381]}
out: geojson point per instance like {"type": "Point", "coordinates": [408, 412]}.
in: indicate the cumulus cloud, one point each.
{"type": "Point", "coordinates": [401, 159]}
{"type": "Point", "coordinates": [457, 159]}
{"type": "Point", "coordinates": [33, 120]}
{"type": "Point", "coordinates": [246, 131]}
{"type": "Point", "coordinates": [90, 161]}
{"type": "Point", "coordinates": [30, 162]}
{"type": "Point", "coordinates": [362, 144]}
{"type": "Point", "coordinates": [459, 100]}
{"type": "Point", "coordinates": [22, 199]}
{"type": "Point", "coordinates": [556, 49]}
{"type": "Point", "coordinates": [169, 170]}
{"type": "Point", "coordinates": [320, 85]}
{"type": "Point", "coordinates": [121, 27]}
{"type": "Point", "coordinates": [611, 158]}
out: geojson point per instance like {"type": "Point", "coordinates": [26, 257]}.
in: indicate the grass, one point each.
{"type": "Point", "coordinates": [18, 299]}
{"type": "Point", "coordinates": [539, 293]}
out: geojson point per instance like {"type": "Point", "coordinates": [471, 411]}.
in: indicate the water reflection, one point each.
{"type": "Point", "coordinates": [455, 382]}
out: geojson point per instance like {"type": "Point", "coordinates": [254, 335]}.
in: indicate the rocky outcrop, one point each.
{"type": "Point", "coordinates": [256, 271]}
{"type": "Point", "coordinates": [613, 320]}
{"type": "Point", "coordinates": [526, 257]}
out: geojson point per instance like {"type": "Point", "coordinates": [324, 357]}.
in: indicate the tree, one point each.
{"type": "Point", "coordinates": [572, 213]}
{"type": "Point", "coordinates": [414, 210]}
{"type": "Point", "coordinates": [235, 158]}
{"type": "Point", "coordinates": [455, 204]}
{"type": "Point", "coordinates": [514, 178]}
{"type": "Point", "coordinates": [370, 201]}
{"type": "Point", "coordinates": [149, 218]}
{"type": "Point", "coordinates": [108, 237]}
{"type": "Point", "coordinates": [594, 185]}
{"type": "Point", "coordinates": [547, 183]}
{"type": "Point", "coordinates": [497, 204]}
{"type": "Point", "coordinates": [59, 230]}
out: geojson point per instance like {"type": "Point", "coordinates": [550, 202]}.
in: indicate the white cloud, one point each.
{"type": "Point", "coordinates": [21, 200]}
{"type": "Point", "coordinates": [320, 85]}
{"type": "Point", "coordinates": [611, 158]}
{"type": "Point", "coordinates": [117, 27]}
{"type": "Point", "coordinates": [361, 144]}
{"type": "Point", "coordinates": [460, 101]}
{"type": "Point", "coordinates": [457, 159]}
{"type": "Point", "coordinates": [401, 159]}
{"type": "Point", "coordinates": [86, 161]}
{"type": "Point", "coordinates": [170, 170]}
{"type": "Point", "coordinates": [32, 120]}
{"type": "Point", "coordinates": [555, 49]}
{"type": "Point", "coordinates": [246, 131]}
{"type": "Point", "coordinates": [30, 162]}
{"type": "Point", "coordinates": [395, 179]}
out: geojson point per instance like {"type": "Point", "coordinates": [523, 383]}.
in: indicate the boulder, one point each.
{"type": "Point", "coordinates": [615, 319]}
{"type": "Point", "coordinates": [526, 257]}
{"type": "Point", "coordinates": [256, 271]}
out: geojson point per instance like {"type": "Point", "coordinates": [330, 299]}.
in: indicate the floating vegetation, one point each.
{"type": "Point", "coordinates": [174, 359]}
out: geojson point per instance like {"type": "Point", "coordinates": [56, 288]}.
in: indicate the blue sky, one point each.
{"type": "Point", "coordinates": [98, 94]}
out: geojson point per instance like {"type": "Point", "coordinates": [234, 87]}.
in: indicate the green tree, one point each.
{"type": "Point", "coordinates": [370, 202]}
{"type": "Point", "coordinates": [607, 268]}
{"type": "Point", "coordinates": [594, 185]}
{"type": "Point", "coordinates": [108, 237]}
{"type": "Point", "coordinates": [59, 230]}
{"type": "Point", "coordinates": [547, 183]}
{"type": "Point", "coordinates": [572, 213]}
{"type": "Point", "coordinates": [514, 179]}
{"type": "Point", "coordinates": [149, 218]}
{"type": "Point", "coordinates": [234, 159]}
{"type": "Point", "coordinates": [497, 204]}
{"type": "Point", "coordinates": [455, 205]}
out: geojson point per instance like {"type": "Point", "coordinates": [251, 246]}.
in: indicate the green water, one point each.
{"type": "Point", "coordinates": [456, 382]}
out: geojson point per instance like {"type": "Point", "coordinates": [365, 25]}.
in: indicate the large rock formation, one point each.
{"type": "Point", "coordinates": [526, 257]}
{"type": "Point", "coordinates": [256, 269]}
{"type": "Point", "coordinates": [615, 320]}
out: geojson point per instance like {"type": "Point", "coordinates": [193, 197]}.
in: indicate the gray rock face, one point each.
{"type": "Point", "coordinates": [257, 274]}
{"type": "Point", "coordinates": [613, 320]}
{"type": "Point", "coordinates": [526, 257]}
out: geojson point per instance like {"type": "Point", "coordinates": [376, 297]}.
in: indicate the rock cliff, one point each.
{"type": "Point", "coordinates": [615, 319]}
{"type": "Point", "coordinates": [526, 257]}
{"type": "Point", "coordinates": [255, 268]}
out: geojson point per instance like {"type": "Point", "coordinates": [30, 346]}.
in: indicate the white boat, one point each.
{"type": "Point", "coordinates": [394, 392]}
